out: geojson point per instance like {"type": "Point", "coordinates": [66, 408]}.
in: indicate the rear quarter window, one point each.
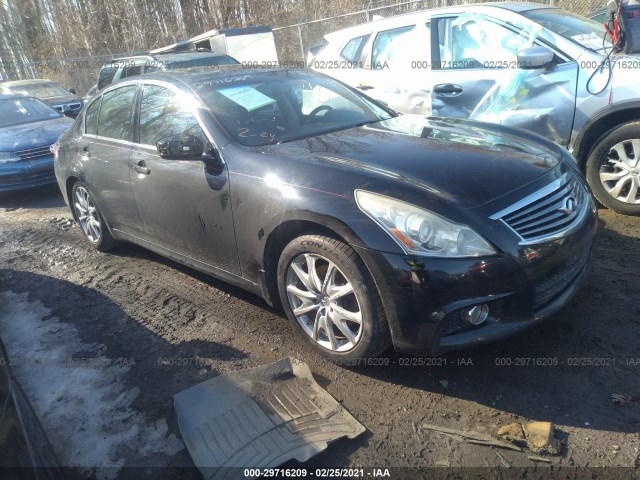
{"type": "Point", "coordinates": [91, 118]}
{"type": "Point", "coordinates": [353, 49]}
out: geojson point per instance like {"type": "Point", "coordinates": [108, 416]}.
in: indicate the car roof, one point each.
{"type": "Point", "coordinates": [167, 57]}
{"type": "Point", "coordinates": [18, 83]}
{"type": "Point", "coordinates": [517, 6]}
{"type": "Point", "coordinates": [189, 77]}
{"type": "Point", "coordinates": [202, 74]}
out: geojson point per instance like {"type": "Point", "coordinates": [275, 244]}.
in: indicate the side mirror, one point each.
{"type": "Point", "coordinates": [180, 147]}
{"type": "Point", "coordinates": [535, 57]}
{"type": "Point", "coordinates": [73, 91]}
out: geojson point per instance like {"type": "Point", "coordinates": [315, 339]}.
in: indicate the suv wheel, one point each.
{"type": "Point", "coordinates": [91, 221]}
{"type": "Point", "coordinates": [613, 169]}
{"type": "Point", "coordinates": [329, 296]}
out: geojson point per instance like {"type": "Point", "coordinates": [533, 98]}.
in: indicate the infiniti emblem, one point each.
{"type": "Point", "coordinates": [569, 206]}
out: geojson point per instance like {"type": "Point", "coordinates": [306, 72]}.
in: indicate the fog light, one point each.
{"type": "Point", "coordinates": [475, 315]}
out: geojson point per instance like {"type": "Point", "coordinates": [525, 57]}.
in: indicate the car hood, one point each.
{"type": "Point", "coordinates": [31, 135]}
{"type": "Point", "coordinates": [468, 163]}
{"type": "Point", "coordinates": [64, 100]}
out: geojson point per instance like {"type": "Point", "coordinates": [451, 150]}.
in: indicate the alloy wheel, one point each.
{"type": "Point", "coordinates": [87, 214]}
{"type": "Point", "coordinates": [324, 302]}
{"type": "Point", "coordinates": [620, 172]}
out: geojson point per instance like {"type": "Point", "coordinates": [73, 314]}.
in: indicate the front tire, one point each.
{"type": "Point", "coordinates": [613, 169]}
{"type": "Point", "coordinates": [330, 298]}
{"type": "Point", "coordinates": [90, 219]}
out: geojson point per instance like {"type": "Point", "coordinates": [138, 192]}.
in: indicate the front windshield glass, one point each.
{"type": "Point", "coordinates": [15, 111]}
{"type": "Point", "coordinates": [572, 26]}
{"type": "Point", "coordinates": [41, 90]}
{"type": "Point", "coordinates": [265, 108]}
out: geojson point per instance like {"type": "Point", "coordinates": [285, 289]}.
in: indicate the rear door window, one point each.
{"type": "Point", "coordinates": [115, 113]}
{"type": "Point", "coordinates": [392, 47]}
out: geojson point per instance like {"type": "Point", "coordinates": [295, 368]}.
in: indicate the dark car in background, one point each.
{"type": "Point", "coordinates": [28, 133]}
{"type": "Point", "coordinates": [57, 97]}
{"type": "Point", "coordinates": [370, 228]}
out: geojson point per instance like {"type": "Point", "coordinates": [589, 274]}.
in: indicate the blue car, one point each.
{"type": "Point", "coordinates": [29, 130]}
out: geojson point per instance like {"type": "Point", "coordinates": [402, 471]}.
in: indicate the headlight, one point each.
{"type": "Point", "coordinates": [421, 232]}
{"type": "Point", "coordinates": [6, 157]}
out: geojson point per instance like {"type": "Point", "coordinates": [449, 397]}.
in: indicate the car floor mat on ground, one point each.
{"type": "Point", "coordinates": [259, 418]}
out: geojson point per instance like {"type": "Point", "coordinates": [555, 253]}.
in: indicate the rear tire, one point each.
{"type": "Point", "coordinates": [613, 169]}
{"type": "Point", "coordinates": [91, 221]}
{"type": "Point", "coordinates": [330, 298]}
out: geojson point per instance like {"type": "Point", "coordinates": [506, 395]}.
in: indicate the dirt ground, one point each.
{"type": "Point", "coordinates": [158, 328]}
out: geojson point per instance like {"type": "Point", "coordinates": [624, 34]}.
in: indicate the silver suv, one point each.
{"type": "Point", "coordinates": [518, 64]}
{"type": "Point", "coordinates": [126, 67]}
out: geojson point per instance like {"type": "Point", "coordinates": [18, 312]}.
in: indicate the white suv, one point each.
{"type": "Point", "coordinates": [518, 64]}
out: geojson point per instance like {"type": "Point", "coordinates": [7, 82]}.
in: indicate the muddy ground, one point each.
{"type": "Point", "coordinates": [158, 328]}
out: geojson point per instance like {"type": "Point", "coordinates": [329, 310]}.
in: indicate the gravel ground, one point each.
{"type": "Point", "coordinates": [101, 343]}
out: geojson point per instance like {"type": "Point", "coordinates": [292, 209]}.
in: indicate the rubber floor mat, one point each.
{"type": "Point", "coordinates": [259, 418]}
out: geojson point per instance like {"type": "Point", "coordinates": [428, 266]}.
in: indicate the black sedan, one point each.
{"type": "Point", "coordinates": [369, 228]}
{"type": "Point", "coordinates": [28, 133]}
{"type": "Point", "coordinates": [57, 97]}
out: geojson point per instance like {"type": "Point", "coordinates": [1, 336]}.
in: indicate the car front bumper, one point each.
{"type": "Point", "coordinates": [423, 296]}
{"type": "Point", "coordinates": [26, 174]}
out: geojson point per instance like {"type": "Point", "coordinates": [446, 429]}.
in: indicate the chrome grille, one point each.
{"type": "Point", "coordinates": [34, 153]}
{"type": "Point", "coordinates": [66, 108]}
{"type": "Point", "coordinates": [552, 212]}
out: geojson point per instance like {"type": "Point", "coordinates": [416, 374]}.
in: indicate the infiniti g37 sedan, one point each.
{"type": "Point", "coordinates": [369, 228]}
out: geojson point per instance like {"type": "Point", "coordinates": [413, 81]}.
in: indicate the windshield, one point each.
{"type": "Point", "coordinates": [275, 107]}
{"type": "Point", "coordinates": [574, 27]}
{"type": "Point", "coordinates": [40, 90]}
{"type": "Point", "coordinates": [15, 111]}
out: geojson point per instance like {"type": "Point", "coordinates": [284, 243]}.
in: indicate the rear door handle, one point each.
{"type": "Point", "coordinates": [141, 167]}
{"type": "Point", "coordinates": [448, 89]}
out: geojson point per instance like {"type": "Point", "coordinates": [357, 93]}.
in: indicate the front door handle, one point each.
{"type": "Point", "coordinates": [448, 89]}
{"type": "Point", "coordinates": [364, 88]}
{"type": "Point", "coordinates": [141, 167]}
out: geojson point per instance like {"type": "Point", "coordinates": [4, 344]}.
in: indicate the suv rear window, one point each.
{"type": "Point", "coordinates": [105, 77]}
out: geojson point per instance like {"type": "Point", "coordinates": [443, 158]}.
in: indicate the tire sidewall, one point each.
{"type": "Point", "coordinates": [332, 250]}
{"type": "Point", "coordinates": [597, 158]}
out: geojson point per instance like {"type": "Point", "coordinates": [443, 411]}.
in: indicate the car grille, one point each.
{"type": "Point", "coordinates": [454, 324]}
{"type": "Point", "coordinates": [552, 212]}
{"type": "Point", "coordinates": [555, 284]}
{"type": "Point", "coordinates": [34, 153]}
{"type": "Point", "coordinates": [66, 108]}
